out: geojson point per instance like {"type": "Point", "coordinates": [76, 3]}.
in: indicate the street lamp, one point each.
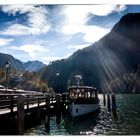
{"type": "Point", "coordinates": [7, 65]}
{"type": "Point", "coordinates": [57, 83]}
{"type": "Point", "coordinates": [57, 74]}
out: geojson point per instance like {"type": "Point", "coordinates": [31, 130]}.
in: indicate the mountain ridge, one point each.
{"type": "Point", "coordinates": [18, 65]}
{"type": "Point", "coordinates": [114, 55]}
{"type": "Point", "coordinates": [33, 66]}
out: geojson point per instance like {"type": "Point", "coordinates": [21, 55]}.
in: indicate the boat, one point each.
{"type": "Point", "coordinates": [83, 100]}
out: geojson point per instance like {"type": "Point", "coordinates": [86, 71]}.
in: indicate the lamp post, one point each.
{"type": "Point", "coordinates": [57, 86]}
{"type": "Point", "coordinates": [7, 65]}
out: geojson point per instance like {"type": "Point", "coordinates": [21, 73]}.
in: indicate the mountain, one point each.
{"type": "Point", "coordinates": [110, 62]}
{"type": "Point", "coordinates": [27, 80]}
{"type": "Point", "coordinates": [14, 63]}
{"type": "Point", "coordinates": [18, 65]}
{"type": "Point", "coordinates": [33, 66]}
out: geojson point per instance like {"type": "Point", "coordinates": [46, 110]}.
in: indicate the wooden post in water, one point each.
{"type": "Point", "coordinates": [58, 108]}
{"type": "Point", "coordinates": [20, 114]}
{"type": "Point", "coordinates": [47, 116]}
{"type": "Point", "coordinates": [104, 99]}
{"type": "Point", "coordinates": [113, 97]}
{"type": "Point", "coordinates": [27, 103]}
{"type": "Point", "coordinates": [108, 102]}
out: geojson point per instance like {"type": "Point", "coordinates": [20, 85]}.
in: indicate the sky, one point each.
{"type": "Point", "coordinates": [51, 32]}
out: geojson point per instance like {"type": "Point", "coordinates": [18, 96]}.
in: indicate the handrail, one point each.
{"type": "Point", "coordinates": [9, 99]}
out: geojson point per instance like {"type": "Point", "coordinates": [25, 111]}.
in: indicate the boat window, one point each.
{"type": "Point", "coordinates": [71, 95]}
{"type": "Point", "coordinates": [88, 94]}
{"type": "Point", "coordinates": [78, 90]}
{"type": "Point", "coordinates": [75, 96]}
{"type": "Point", "coordinates": [93, 94]}
{"type": "Point", "coordinates": [79, 94]}
{"type": "Point", "coordinates": [82, 94]}
{"type": "Point", "coordinates": [76, 110]}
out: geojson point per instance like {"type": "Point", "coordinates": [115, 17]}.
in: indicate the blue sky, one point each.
{"type": "Point", "coordinates": [51, 32]}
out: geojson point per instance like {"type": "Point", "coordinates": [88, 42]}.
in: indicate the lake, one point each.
{"type": "Point", "coordinates": [127, 121]}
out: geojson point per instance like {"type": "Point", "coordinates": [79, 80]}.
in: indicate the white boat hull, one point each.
{"type": "Point", "coordinates": [81, 109]}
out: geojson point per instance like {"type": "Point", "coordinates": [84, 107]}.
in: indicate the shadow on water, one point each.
{"type": "Point", "coordinates": [82, 125]}
{"type": "Point", "coordinates": [8, 126]}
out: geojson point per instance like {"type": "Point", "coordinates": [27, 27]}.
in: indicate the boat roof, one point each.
{"type": "Point", "coordinates": [81, 87]}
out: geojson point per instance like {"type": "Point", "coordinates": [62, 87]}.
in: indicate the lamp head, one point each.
{"type": "Point", "coordinates": [7, 64]}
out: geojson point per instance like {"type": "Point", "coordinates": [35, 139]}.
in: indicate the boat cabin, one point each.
{"type": "Point", "coordinates": [83, 95]}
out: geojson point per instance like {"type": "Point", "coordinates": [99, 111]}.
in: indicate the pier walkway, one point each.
{"type": "Point", "coordinates": [16, 104]}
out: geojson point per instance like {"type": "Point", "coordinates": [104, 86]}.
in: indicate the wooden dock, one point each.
{"type": "Point", "coordinates": [20, 109]}
{"type": "Point", "coordinates": [17, 104]}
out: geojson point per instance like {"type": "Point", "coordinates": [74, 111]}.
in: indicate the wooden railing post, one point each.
{"type": "Point", "coordinates": [27, 103]}
{"type": "Point", "coordinates": [52, 99]}
{"type": "Point", "coordinates": [104, 99]}
{"type": "Point", "coordinates": [58, 108]}
{"type": "Point", "coordinates": [20, 114]}
{"type": "Point", "coordinates": [38, 101]}
{"type": "Point", "coordinates": [12, 106]}
{"type": "Point", "coordinates": [47, 116]}
{"type": "Point", "coordinates": [108, 101]}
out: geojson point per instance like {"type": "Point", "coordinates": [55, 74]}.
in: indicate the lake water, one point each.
{"type": "Point", "coordinates": [127, 121]}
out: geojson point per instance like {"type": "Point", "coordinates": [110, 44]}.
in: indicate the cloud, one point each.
{"type": "Point", "coordinates": [4, 42]}
{"type": "Point", "coordinates": [78, 46]}
{"type": "Point", "coordinates": [104, 10]}
{"type": "Point", "coordinates": [16, 29]}
{"type": "Point", "coordinates": [34, 51]}
{"type": "Point", "coordinates": [36, 18]}
{"type": "Point", "coordinates": [75, 14]}
{"type": "Point", "coordinates": [76, 17]}
{"type": "Point", "coordinates": [91, 33]}
{"type": "Point", "coordinates": [94, 33]}
{"type": "Point", "coordinates": [78, 14]}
